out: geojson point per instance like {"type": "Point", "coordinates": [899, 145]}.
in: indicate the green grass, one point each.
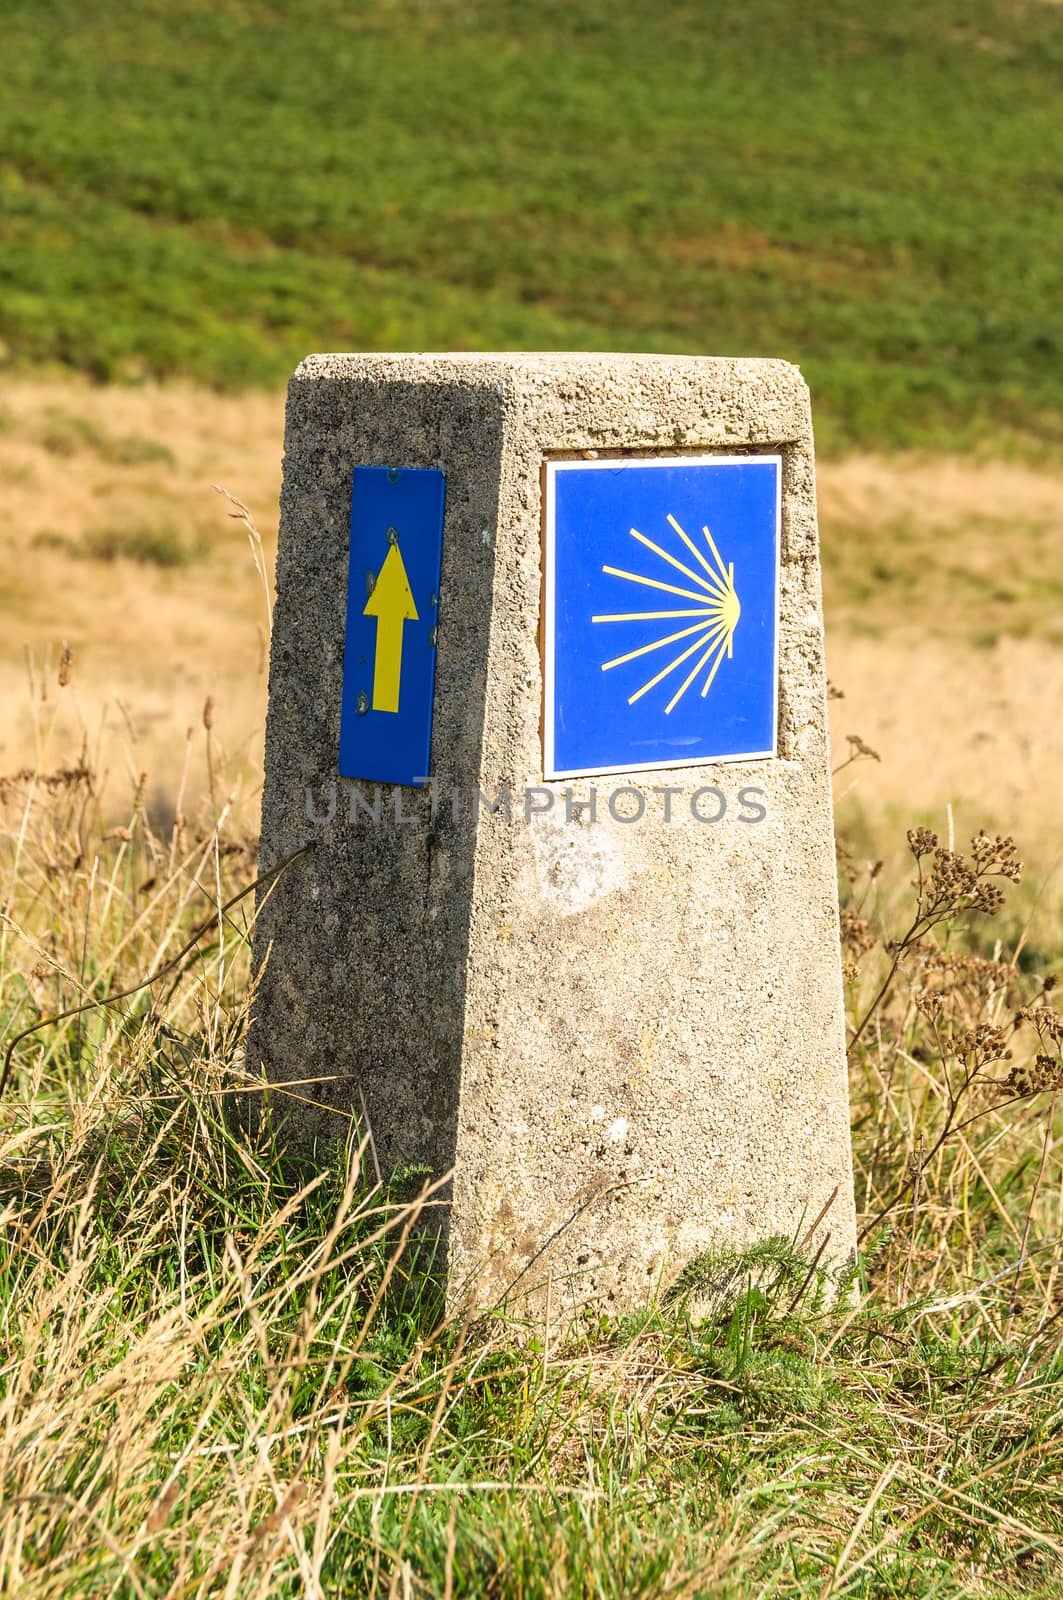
{"type": "Point", "coordinates": [872, 191]}
{"type": "Point", "coordinates": [217, 1382]}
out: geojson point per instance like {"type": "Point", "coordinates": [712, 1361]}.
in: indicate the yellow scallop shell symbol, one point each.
{"type": "Point", "coordinates": [718, 611]}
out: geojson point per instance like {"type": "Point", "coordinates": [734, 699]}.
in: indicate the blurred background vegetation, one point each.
{"type": "Point", "coordinates": [873, 191]}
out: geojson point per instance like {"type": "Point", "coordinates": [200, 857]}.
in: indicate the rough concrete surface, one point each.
{"type": "Point", "coordinates": [627, 1041]}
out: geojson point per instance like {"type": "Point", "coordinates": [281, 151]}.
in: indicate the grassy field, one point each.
{"type": "Point", "coordinates": [211, 1384]}
{"type": "Point", "coordinates": [214, 1382]}
{"type": "Point", "coordinates": [209, 1387]}
{"type": "Point", "coordinates": [871, 191]}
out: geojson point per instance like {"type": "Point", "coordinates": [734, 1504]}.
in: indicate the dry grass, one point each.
{"type": "Point", "coordinates": [942, 594]}
{"type": "Point", "coordinates": [151, 641]}
{"type": "Point", "coordinates": [956, 548]}
{"type": "Point", "coordinates": [215, 1382]}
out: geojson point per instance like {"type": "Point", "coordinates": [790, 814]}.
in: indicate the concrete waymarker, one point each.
{"type": "Point", "coordinates": [547, 696]}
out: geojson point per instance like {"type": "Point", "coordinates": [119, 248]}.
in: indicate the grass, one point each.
{"type": "Point", "coordinates": [999, 580]}
{"type": "Point", "coordinates": [870, 191]}
{"type": "Point", "coordinates": [158, 545]}
{"type": "Point", "coordinates": [218, 1379]}
{"type": "Point", "coordinates": [65, 434]}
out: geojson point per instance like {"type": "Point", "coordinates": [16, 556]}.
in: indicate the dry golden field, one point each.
{"type": "Point", "coordinates": [943, 590]}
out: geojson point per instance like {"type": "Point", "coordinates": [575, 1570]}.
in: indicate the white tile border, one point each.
{"type": "Point", "coordinates": [614, 464]}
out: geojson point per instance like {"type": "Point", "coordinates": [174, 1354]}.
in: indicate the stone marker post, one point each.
{"type": "Point", "coordinates": [592, 966]}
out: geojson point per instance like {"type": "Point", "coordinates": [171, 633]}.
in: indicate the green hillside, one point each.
{"type": "Point", "coordinates": [214, 187]}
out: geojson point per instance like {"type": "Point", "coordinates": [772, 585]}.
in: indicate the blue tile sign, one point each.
{"type": "Point", "coordinates": [389, 657]}
{"type": "Point", "coordinates": [661, 614]}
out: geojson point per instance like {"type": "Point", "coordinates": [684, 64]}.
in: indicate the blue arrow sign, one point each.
{"type": "Point", "coordinates": [660, 644]}
{"type": "Point", "coordinates": [389, 652]}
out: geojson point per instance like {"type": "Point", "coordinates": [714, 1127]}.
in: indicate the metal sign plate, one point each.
{"type": "Point", "coordinates": [392, 608]}
{"type": "Point", "coordinates": [661, 616]}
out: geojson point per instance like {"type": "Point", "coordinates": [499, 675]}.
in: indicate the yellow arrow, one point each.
{"type": "Point", "coordinates": [391, 603]}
